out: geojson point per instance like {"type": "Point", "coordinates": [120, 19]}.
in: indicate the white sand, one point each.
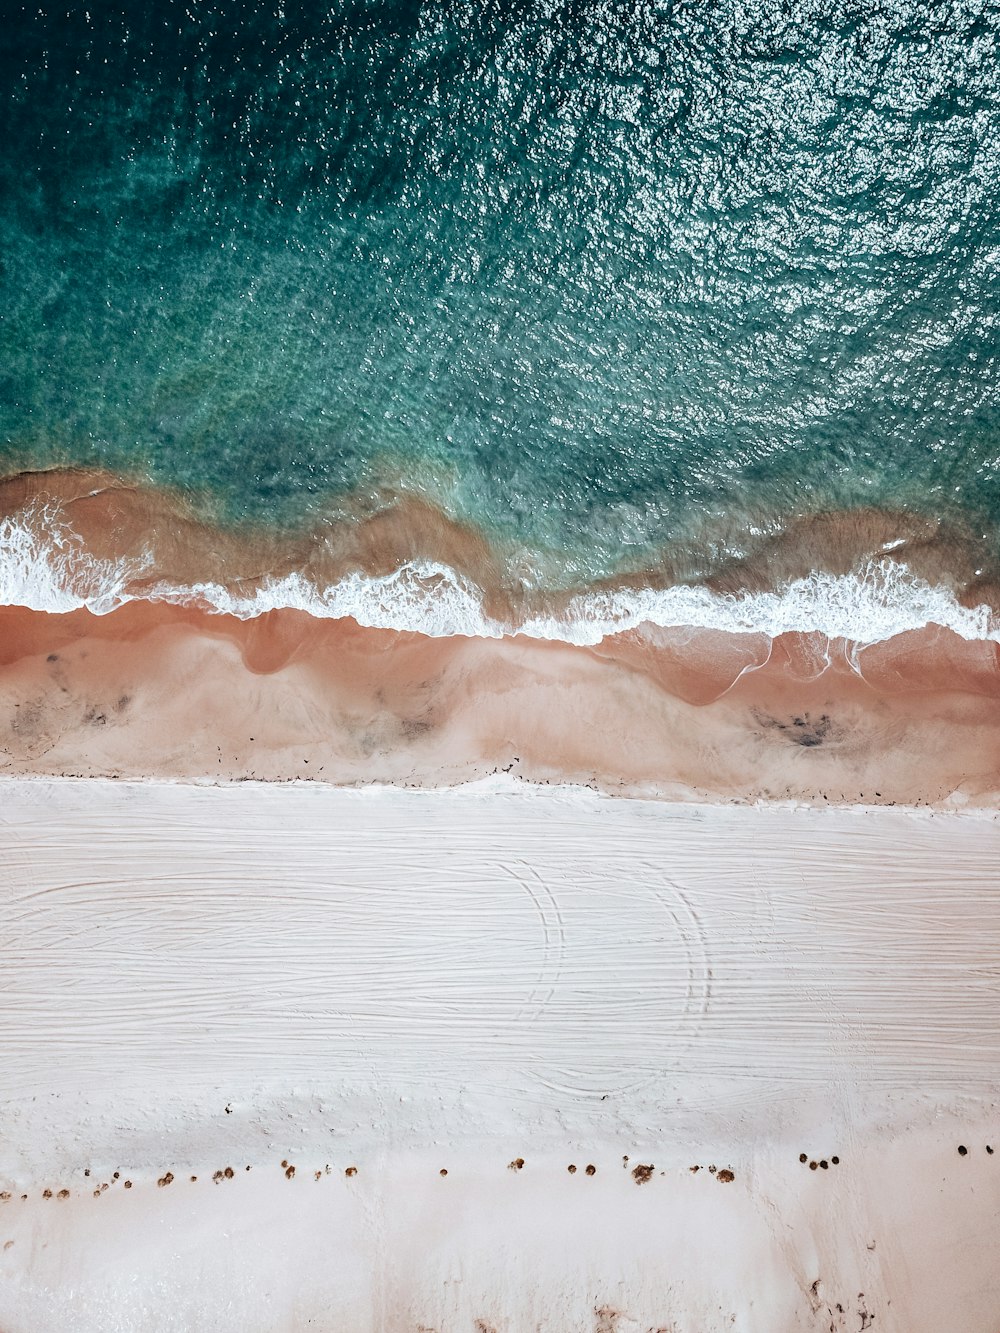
{"type": "Point", "coordinates": [404, 982]}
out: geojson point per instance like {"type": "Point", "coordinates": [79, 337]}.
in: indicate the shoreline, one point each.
{"type": "Point", "coordinates": [72, 540]}
{"type": "Point", "coordinates": [883, 705]}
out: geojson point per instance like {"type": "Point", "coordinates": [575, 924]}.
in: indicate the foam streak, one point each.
{"type": "Point", "coordinates": [45, 567]}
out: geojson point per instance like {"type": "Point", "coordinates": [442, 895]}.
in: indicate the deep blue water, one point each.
{"type": "Point", "coordinates": [590, 275]}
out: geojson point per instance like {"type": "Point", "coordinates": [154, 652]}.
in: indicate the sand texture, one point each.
{"type": "Point", "coordinates": [351, 993]}
{"type": "Point", "coordinates": [153, 690]}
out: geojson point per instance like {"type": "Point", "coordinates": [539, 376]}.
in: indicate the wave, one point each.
{"type": "Point", "coordinates": [45, 567]}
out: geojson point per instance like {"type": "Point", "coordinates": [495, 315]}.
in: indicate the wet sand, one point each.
{"type": "Point", "coordinates": [351, 993]}
{"type": "Point", "coordinates": [153, 690]}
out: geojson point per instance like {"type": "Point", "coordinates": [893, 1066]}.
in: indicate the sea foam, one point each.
{"type": "Point", "coordinates": [44, 567]}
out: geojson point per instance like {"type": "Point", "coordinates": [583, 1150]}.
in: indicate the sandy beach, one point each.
{"type": "Point", "coordinates": [153, 690]}
{"type": "Point", "coordinates": [500, 667]}
{"type": "Point", "coordinates": [318, 1002]}
{"type": "Point", "coordinates": [343, 990]}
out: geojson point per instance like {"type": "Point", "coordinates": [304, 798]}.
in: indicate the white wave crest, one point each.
{"type": "Point", "coordinates": [421, 596]}
{"type": "Point", "coordinates": [878, 601]}
{"type": "Point", "coordinates": [43, 566]}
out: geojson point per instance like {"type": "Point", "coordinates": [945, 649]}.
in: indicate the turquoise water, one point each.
{"type": "Point", "coordinates": [590, 275]}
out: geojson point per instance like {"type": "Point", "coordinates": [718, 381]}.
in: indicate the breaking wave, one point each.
{"type": "Point", "coordinates": [44, 567]}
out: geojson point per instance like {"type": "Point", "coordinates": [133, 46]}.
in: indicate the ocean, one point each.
{"type": "Point", "coordinates": [682, 312]}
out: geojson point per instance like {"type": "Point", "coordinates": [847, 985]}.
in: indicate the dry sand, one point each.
{"type": "Point", "coordinates": [405, 983]}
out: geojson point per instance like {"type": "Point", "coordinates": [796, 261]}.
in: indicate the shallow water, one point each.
{"type": "Point", "coordinates": [597, 279]}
